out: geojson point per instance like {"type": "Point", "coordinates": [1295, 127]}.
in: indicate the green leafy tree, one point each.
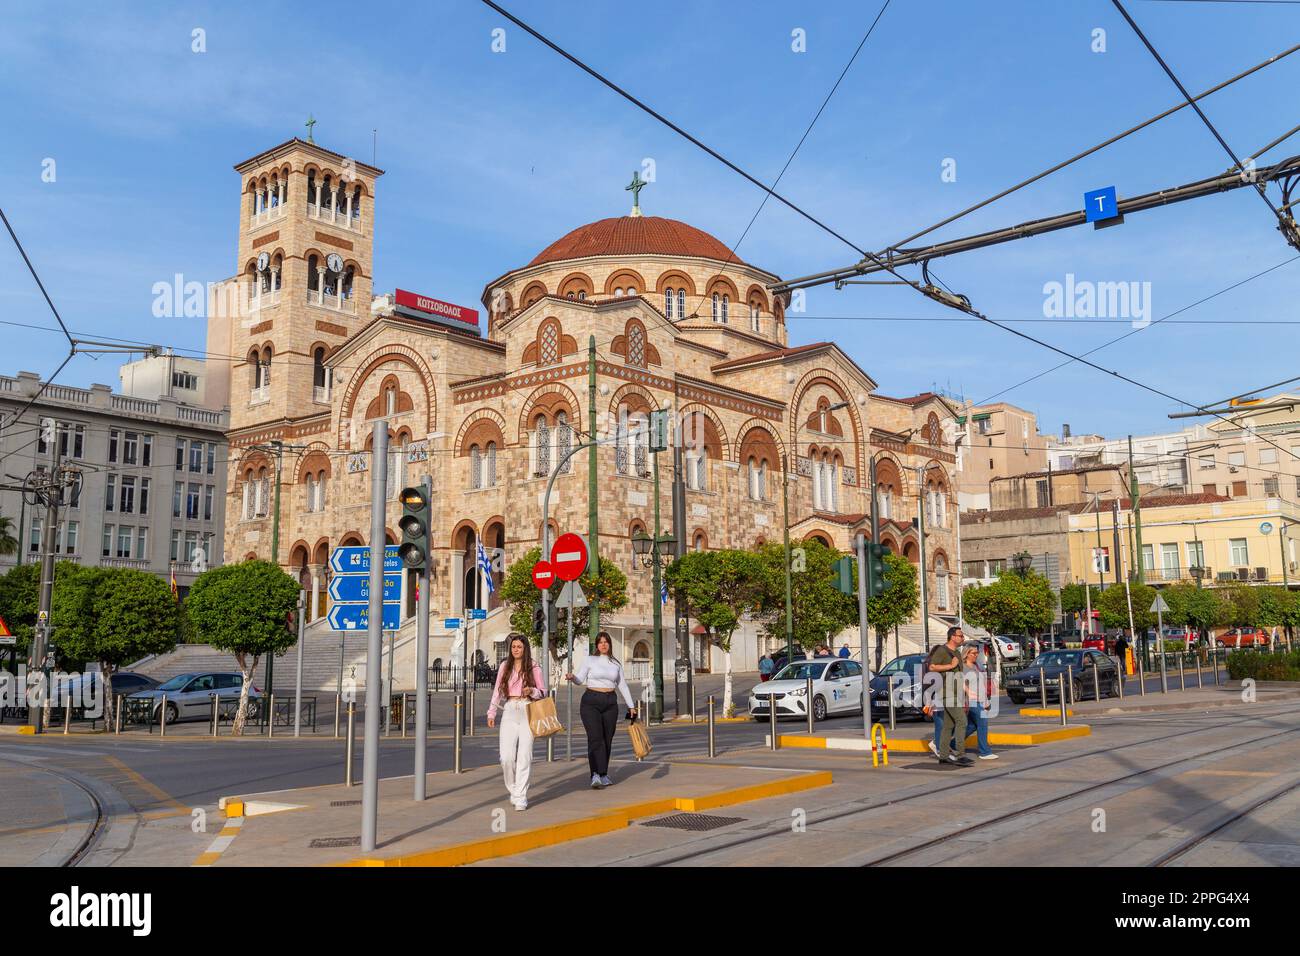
{"type": "Point", "coordinates": [1242, 604]}
{"type": "Point", "coordinates": [523, 598]}
{"type": "Point", "coordinates": [244, 609]}
{"type": "Point", "coordinates": [1113, 606]}
{"type": "Point", "coordinates": [897, 605]}
{"type": "Point", "coordinates": [1074, 599]}
{"type": "Point", "coordinates": [20, 589]}
{"type": "Point", "coordinates": [719, 587]}
{"type": "Point", "coordinates": [819, 611]}
{"type": "Point", "coordinates": [1190, 606]}
{"type": "Point", "coordinates": [1012, 604]}
{"type": "Point", "coordinates": [112, 616]}
{"type": "Point", "coordinates": [8, 543]}
{"type": "Point", "coordinates": [1276, 607]}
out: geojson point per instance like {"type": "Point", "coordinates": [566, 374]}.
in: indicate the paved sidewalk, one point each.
{"type": "Point", "coordinates": [467, 818]}
{"type": "Point", "coordinates": [1193, 698]}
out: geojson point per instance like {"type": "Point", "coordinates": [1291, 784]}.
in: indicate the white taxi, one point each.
{"type": "Point", "coordinates": [836, 688]}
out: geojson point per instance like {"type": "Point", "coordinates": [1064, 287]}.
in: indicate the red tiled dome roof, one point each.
{"type": "Point", "coordinates": [635, 235]}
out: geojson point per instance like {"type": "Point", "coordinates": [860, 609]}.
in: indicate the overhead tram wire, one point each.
{"type": "Point", "coordinates": [799, 145]}
{"type": "Point", "coordinates": [1092, 149]}
{"type": "Point", "coordinates": [1132, 332]}
{"type": "Point", "coordinates": [1287, 229]}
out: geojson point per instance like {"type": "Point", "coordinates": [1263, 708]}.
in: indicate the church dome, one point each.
{"type": "Point", "coordinates": [635, 235]}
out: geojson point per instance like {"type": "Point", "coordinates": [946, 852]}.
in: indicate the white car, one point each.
{"type": "Point", "coordinates": [836, 688]}
{"type": "Point", "coordinates": [1008, 649]}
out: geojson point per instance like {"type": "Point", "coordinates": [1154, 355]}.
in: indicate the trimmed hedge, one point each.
{"type": "Point", "coordinates": [1252, 664]}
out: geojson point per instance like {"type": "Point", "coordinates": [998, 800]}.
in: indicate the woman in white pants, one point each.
{"type": "Point", "coordinates": [518, 682]}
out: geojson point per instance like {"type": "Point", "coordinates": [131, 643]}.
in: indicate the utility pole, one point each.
{"type": "Point", "coordinates": [1114, 527]}
{"type": "Point", "coordinates": [40, 656]}
{"type": "Point", "coordinates": [658, 432]}
{"type": "Point", "coordinates": [920, 534]}
{"type": "Point", "coordinates": [1137, 515]}
{"type": "Point", "coordinates": [593, 500]}
{"type": "Point", "coordinates": [789, 584]}
{"type": "Point", "coordinates": [374, 639]}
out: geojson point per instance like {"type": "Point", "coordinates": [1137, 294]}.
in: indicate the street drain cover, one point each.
{"type": "Point", "coordinates": [345, 803]}
{"type": "Point", "coordinates": [692, 821]}
{"type": "Point", "coordinates": [326, 843]}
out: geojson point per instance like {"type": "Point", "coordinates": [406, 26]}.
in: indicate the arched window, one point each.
{"type": "Point", "coordinates": [320, 490]}
{"type": "Point", "coordinates": [313, 274]}
{"type": "Point", "coordinates": [726, 302]}
{"type": "Point", "coordinates": [563, 440]}
{"type": "Point", "coordinates": [390, 400]}
{"type": "Point", "coordinates": [265, 378]}
{"type": "Point", "coordinates": [347, 282]}
{"type": "Point", "coordinates": [549, 351]}
{"type": "Point", "coordinates": [356, 203]}
{"type": "Point", "coordinates": [941, 582]}
{"type": "Point", "coordinates": [582, 295]}
{"type": "Point", "coordinates": [312, 188]}
{"type": "Point", "coordinates": [636, 346]}
{"type": "Point", "coordinates": [668, 303]}
{"type": "Point", "coordinates": [311, 492]}
{"type": "Point", "coordinates": [753, 317]}
{"type": "Point", "coordinates": [542, 444]}
{"type": "Point", "coordinates": [475, 468]}
{"type": "Point", "coordinates": [762, 480]}
{"type": "Point", "coordinates": [681, 303]}
{"type": "Point", "coordinates": [641, 446]}
{"type": "Point", "coordinates": [885, 500]}
{"type": "Point", "coordinates": [698, 543]}
{"type": "Point", "coordinates": [717, 301]}
{"type": "Point", "coordinates": [621, 436]}
{"type": "Point", "coordinates": [318, 367]}
{"type": "Point", "coordinates": [490, 465]}
{"type": "Point", "coordinates": [817, 484]}
{"type": "Point", "coordinates": [618, 293]}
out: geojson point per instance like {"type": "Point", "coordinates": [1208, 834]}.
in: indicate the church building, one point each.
{"type": "Point", "coordinates": [486, 406]}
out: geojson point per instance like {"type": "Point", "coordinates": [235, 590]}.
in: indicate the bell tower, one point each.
{"type": "Point", "coordinates": [302, 283]}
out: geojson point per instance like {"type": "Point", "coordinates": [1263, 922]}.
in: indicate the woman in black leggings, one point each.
{"type": "Point", "coordinates": [602, 675]}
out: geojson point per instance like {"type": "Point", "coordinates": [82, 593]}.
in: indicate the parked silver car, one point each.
{"type": "Point", "coordinates": [189, 696]}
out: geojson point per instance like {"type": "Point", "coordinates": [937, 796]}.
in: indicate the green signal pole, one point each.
{"type": "Point", "coordinates": [593, 512]}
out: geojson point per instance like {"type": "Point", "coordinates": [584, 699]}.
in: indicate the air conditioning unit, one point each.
{"type": "Point", "coordinates": [1261, 574]}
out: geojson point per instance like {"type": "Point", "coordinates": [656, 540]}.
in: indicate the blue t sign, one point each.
{"type": "Point", "coordinates": [1100, 204]}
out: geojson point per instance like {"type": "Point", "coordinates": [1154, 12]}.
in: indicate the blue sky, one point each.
{"type": "Point", "coordinates": [491, 156]}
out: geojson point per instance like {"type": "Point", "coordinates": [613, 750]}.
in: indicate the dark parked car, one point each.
{"type": "Point", "coordinates": [904, 675]}
{"type": "Point", "coordinates": [1072, 665]}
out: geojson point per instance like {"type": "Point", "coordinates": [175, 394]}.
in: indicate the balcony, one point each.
{"type": "Point", "coordinates": [140, 564]}
{"type": "Point", "coordinates": [271, 214]}
{"type": "Point", "coordinates": [333, 302]}
{"type": "Point", "coordinates": [321, 394]}
{"type": "Point", "coordinates": [260, 395]}
{"type": "Point", "coordinates": [337, 217]}
{"type": "Point", "coordinates": [265, 300]}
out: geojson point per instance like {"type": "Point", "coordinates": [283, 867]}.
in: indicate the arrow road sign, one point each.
{"type": "Point", "coordinates": [356, 560]}
{"type": "Point", "coordinates": [355, 588]}
{"type": "Point", "coordinates": [356, 617]}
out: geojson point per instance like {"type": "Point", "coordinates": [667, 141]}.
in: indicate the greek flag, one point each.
{"type": "Point", "coordinates": [663, 592]}
{"type": "Point", "coordinates": [485, 567]}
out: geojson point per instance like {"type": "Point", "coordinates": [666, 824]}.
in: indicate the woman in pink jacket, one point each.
{"type": "Point", "coordinates": [518, 681]}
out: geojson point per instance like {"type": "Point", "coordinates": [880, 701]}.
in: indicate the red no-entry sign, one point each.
{"type": "Point", "coordinates": [543, 575]}
{"type": "Point", "coordinates": [569, 557]}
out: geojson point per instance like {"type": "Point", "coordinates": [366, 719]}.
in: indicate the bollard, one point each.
{"type": "Point", "coordinates": [270, 715]}
{"type": "Point", "coordinates": [403, 715]}
{"type": "Point", "coordinates": [1164, 672]}
{"type": "Point", "coordinates": [216, 714]}
{"type": "Point", "coordinates": [349, 744]}
{"type": "Point", "coordinates": [469, 717]}
{"type": "Point", "coordinates": [771, 720]}
{"type": "Point", "coordinates": [1042, 686]}
{"type": "Point", "coordinates": [1142, 675]}
{"type": "Point", "coordinates": [879, 752]}
{"type": "Point", "coordinates": [67, 714]}
{"type": "Point", "coordinates": [692, 701]}
{"type": "Point", "coordinates": [457, 732]}
{"type": "Point", "coordinates": [1119, 681]}
{"type": "Point", "coordinates": [550, 741]}
{"type": "Point", "coordinates": [1061, 698]}
{"type": "Point", "coordinates": [117, 715]}
{"type": "Point", "coordinates": [338, 702]}
{"type": "Point", "coordinates": [808, 696]}
{"type": "Point", "coordinates": [162, 717]}
{"type": "Point", "coordinates": [1182, 683]}
{"type": "Point", "coordinates": [713, 743]}
{"type": "Point", "coordinates": [892, 685]}
{"type": "Point", "coordinates": [1214, 662]}
{"type": "Point", "coordinates": [1096, 682]}
{"type": "Point", "coordinates": [1199, 682]}
{"type": "Point", "coordinates": [1067, 683]}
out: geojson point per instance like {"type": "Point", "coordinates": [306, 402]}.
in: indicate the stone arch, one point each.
{"type": "Point", "coordinates": [624, 278]}
{"type": "Point", "coordinates": [321, 552]}
{"type": "Point", "coordinates": [721, 284]}
{"type": "Point", "coordinates": [315, 460]}
{"type": "Point", "coordinates": [576, 285]}
{"type": "Point", "coordinates": [462, 534]}
{"type": "Point", "coordinates": [911, 551]}
{"type": "Point", "coordinates": [817, 534]}
{"type": "Point", "coordinates": [636, 397]}
{"type": "Point", "coordinates": [551, 345]}
{"type": "Point", "coordinates": [759, 443]}
{"type": "Point", "coordinates": [699, 537]}
{"type": "Point", "coordinates": [402, 401]}
{"type": "Point", "coordinates": [757, 295]}
{"type": "Point", "coordinates": [762, 425]}
{"type": "Point", "coordinates": [478, 426]}
{"type": "Point", "coordinates": [549, 399]}
{"type": "Point", "coordinates": [715, 433]}
{"type": "Point", "coordinates": [832, 381]}
{"type": "Point", "coordinates": [637, 352]}
{"type": "Point", "coordinates": [532, 293]}
{"type": "Point", "coordinates": [675, 279]}
{"type": "Point", "coordinates": [940, 555]}
{"type": "Point", "coordinates": [351, 539]}
{"type": "Point", "coordinates": [388, 353]}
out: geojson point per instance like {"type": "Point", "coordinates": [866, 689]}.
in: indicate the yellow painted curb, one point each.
{"type": "Point", "coordinates": [617, 818]}
{"type": "Point", "coordinates": [27, 730]}
{"type": "Point", "coordinates": [1041, 736]}
{"type": "Point", "coordinates": [808, 743]}
{"type": "Point", "coordinates": [1040, 712]}
{"type": "Point", "coordinates": [234, 808]}
{"type": "Point", "coordinates": [920, 746]}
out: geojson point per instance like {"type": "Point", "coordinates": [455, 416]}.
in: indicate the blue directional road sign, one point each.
{"type": "Point", "coordinates": [451, 623]}
{"type": "Point", "coordinates": [355, 588]}
{"type": "Point", "coordinates": [1100, 204]}
{"type": "Point", "coordinates": [478, 614]}
{"type": "Point", "coordinates": [356, 617]}
{"type": "Point", "coordinates": [356, 560]}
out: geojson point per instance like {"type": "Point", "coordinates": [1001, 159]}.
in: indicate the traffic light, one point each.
{"type": "Point", "coordinates": [877, 584]}
{"type": "Point", "coordinates": [844, 574]}
{"type": "Point", "coordinates": [414, 524]}
{"type": "Point", "coordinates": [552, 617]}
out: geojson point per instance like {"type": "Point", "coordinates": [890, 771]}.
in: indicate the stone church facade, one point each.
{"type": "Point", "coordinates": [679, 322]}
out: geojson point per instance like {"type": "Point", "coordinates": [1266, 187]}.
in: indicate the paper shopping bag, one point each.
{"type": "Point", "coordinates": [542, 720]}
